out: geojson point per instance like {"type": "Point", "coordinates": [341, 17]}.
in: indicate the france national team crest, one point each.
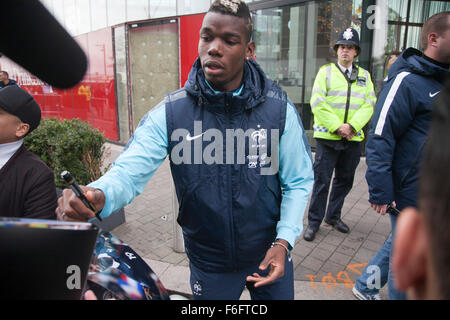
{"type": "Point", "coordinates": [248, 147]}
{"type": "Point", "coordinates": [197, 288]}
{"type": "Point", "coordinates": [259, 136]}
{"type": "Point", "coordinates": [258, 143]}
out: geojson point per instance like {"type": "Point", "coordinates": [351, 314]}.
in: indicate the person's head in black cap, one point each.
{"type": "Point", "coordinates": [347, 46]}
{"type": "Point", "coordinates": [5, 80]}
{"type": "Point", "coordinates": [19, 114]}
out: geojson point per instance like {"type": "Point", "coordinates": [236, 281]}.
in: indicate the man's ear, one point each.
{"type": "Point", "coordinates": [432, 39]}
{"type": "Point", "coordinates": [250, 54]}
{"type": "Point", "coordinates": [22, 130]}
{"type": "Point", "coordinates": [411, 244]}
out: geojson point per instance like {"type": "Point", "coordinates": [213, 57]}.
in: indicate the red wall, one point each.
{"type": "Point", "coordinates": [189, 37]}
{"type": "Point", "coordinates": [94, 97]}
{"type": "Point", "coordinates": [92, 100]}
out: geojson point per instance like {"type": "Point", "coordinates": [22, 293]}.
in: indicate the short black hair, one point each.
{"type": "Point", "coordinates": [434, 190]}
{"type": "Point", "coordinates": [5, 73]}
{"type": "Point", "coordinates": [235, 8]}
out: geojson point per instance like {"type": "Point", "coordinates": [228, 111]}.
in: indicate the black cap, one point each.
{"type": "Point", "coordinates": [20, 103]}
{"type": "Point", "coordinates": [31, 37]}
{"type": "Point", "coordinates": [348, 37]}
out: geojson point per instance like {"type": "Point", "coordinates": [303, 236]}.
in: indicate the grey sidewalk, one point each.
{"type": "Point", "coordinates": [324, 268]}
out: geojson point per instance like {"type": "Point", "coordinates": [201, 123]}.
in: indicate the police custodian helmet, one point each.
{"type": "Point", "coordinates": [348, 37]}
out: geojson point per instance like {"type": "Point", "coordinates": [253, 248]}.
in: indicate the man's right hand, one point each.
{"type": "Point", "coordinates": [71, 208]}
{"type": "Point", "coordinates": [381, 208]}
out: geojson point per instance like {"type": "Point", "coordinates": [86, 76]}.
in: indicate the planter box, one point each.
{"type": "Point", "coordinates": [111, 222]}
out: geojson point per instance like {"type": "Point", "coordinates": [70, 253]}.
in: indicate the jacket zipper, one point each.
{"type": "Point", "coordinates": [230, 194]}
{"type": "Point", "coordinates": [349, 91]}
{"type": "Point", "coordinates": [347, 105]}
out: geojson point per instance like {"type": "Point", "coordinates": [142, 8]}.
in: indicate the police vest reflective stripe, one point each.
{"type": "Point", "coordinates": [333, 100]}
{"type": "Point", "coordinates": [323, 129]}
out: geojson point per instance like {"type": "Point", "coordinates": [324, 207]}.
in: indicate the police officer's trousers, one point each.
{"type": "Point", "coordinates": [343, 161]}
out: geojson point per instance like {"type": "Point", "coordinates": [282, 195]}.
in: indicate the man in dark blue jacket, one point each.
{"type": "Point", "coordinates": [398, 135]}
{"type": "Point", "coordinates": [5, 80]}
{"type": "Point", "coordinates": [240, 161]}
{"type": "Point", "coordinates": [420, 256]}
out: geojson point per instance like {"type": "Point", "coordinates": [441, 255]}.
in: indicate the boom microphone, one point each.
{"type": "Point", "coordinates": [33, 38]}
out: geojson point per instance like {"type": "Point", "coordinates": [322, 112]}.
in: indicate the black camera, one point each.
{"type": "Point", "coordinates": [392, 210]}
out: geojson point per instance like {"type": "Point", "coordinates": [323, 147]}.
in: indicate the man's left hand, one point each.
{"type": "Point", "coordinates": [275, 258]}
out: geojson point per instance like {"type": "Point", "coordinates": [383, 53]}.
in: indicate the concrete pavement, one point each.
{"type": "Point", "coordinates": [325, 269]}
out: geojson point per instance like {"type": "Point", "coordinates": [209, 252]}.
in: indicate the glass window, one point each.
{"type": "Point", "coordinates": [433, 7]}
{"type": "Point", "coordinates": [413, 38]}
{"type": "Point", "coordinates": [416, 13]}
{"type": "Point", "coordinates": [398, 10]}
{"type": "Point", "coordinates": [267, 39]}
{"type": "Point", "coordinates": [121, 82]}
{"type": "Point", "coordinates": [356, 15]}
{"type": "Point", "coordinates": [401, 30]}
{"type": "Point", "coordinates": [280, 45]}
{"type": "Point", "coordinates": [396, 35]}
{"type": "Point", "coordinates": [421, 10]}
{"type": "Point", "coordinates": [293, 42]}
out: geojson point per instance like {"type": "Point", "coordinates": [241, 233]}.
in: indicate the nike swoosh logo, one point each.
{"type": "Point", "coordinates": [189, 138]}
{"type": "Point", "coordinates": [433, 94]}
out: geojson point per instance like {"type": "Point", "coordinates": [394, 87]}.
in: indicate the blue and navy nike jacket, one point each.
{"type": "Point", "coordinates": [400, 127]}
{"type": "Point", "coordinates": [231, 206]}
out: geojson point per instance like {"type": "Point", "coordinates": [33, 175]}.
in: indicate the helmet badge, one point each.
{"type": "Point", "coordinates": [348, 34]}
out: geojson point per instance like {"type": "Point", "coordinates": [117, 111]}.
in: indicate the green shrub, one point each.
{"type": "Point", "coordinates": [71, 145]}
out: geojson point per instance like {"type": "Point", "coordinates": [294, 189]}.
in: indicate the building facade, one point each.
{"type": "Point", "coordinates": [138, 50]}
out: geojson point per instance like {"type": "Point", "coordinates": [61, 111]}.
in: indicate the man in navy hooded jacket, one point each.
{"type": "Point", "coordinates": [5, 81]}
{"type": "Point", "coordinates": [240, 161]}
{"type": "Point", "coordinates": [398, 136]}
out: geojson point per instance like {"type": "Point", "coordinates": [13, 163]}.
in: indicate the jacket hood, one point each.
{"type": "Point", "coordinates": [412, 60]}
{"type": "Point", "coordinates": [256, 85]}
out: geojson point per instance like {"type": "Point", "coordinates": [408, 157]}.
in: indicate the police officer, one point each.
{"type": "Point", "coordinates": [342, 102]}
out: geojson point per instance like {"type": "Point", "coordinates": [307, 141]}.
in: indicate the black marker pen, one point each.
{"type": "Point", "coordinates": [78, 192]}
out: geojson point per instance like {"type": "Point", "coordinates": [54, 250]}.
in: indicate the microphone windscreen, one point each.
{"type": "Point", "coordinates": [34, 39]}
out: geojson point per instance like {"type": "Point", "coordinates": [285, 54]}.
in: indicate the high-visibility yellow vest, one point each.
{"type": "Point", "coordinates": [336, 100]}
